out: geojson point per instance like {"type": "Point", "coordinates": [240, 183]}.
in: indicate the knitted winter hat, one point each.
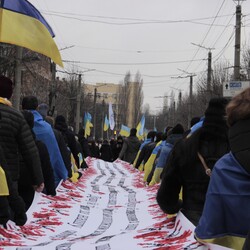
{"type": "Point", "coordinates": [30, 103]}
{"type": "Point", "coordinates": [177, 129]}
{"type": "Point", "coordinates": [60, 119]}
{"type": "Point", "coordinates": [215, 113]}
{"type": "Point", "coordinates": [6, 87]}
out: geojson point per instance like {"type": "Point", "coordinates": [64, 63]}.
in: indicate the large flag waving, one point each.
{"type": "Point", "coordinates": [23, 25]}
{"type": "Point", "coordinates": [106, 123]}
{"type": "Point", "coordinates": [111, 117]}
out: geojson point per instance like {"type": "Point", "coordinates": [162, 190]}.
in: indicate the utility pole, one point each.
{"type": "Point", "coordinates": [190, 111]}
{"type": "Point", "coordinates": [237, 43]}
{"type": "Point", "coordinates": [52, 94]}
{"type": "Point", "coordinates": [94, 125]}
{"type": "Point", "coordinates": [190, 104]}
{"type": "Point", "coordinates": [18, 77]}
{"type": "Point", "coordinates": [103, 105]}
{"type": "Point", "coordinates": [209, 73]}
{"type": "Point", "coordinates": [78, 102]}
{"type": "Point", "coordinates": [209, 70]}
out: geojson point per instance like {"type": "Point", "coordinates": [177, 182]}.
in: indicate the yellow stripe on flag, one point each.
{"type": "Point", "coordinates": [28, 32]}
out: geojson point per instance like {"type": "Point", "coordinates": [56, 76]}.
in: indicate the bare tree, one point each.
{"type": "Point", "coordinates": [7, 60]}
{"type": "Point", "coordinates": [124, 93]}
{"type": "Point", "coordinates": [138, 97]}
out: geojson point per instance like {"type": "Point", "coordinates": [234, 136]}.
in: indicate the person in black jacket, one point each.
{"type": "Point", "coordinates": [68, 135]}
{"type": "Point", "coordinates": [94, 149]}
{"type": "Point", "coordinates": [185, 169]}
{"type": "Point", "coordinates": [84, 143]}
{"type": "Point", "coordinates": [105, 151]}
{"type": "Point", "coordinates": [25, 184]}
{"type": "Point", "coordinates": [16, 139]}
{"type": "Point", "coordinates": [130, 147]}
{"type": "Point", "coordinates": [116, 149]}
{"type": "Point", "coordinates": [12, 206]}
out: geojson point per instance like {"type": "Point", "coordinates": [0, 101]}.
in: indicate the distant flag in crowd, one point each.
{"type": "Point", "coordinates": [111, 117]}
{"type": "Point", "coordinates": [87, 123]}
{"type": "Point", "coordinates": [106, 124]}
{"type": "Point", "coordinates": [125, 131]}
{"type": "Point", "coordinates": [140, 128]}
{"type": "Point", "coordinates": [23, 25]}
{"type": "Point", "coordinates": [145, 133]}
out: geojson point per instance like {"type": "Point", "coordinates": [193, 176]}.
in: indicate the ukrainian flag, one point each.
{"type": "Point", "coordinates": [106, 124]}
{"type": "Point", "coordinates": [140, 128]}
{"type": "Point", "coordinates": [23, 25]}
{"type": "Point", "coordinates": [87, 123]}
{"type": "Point", "coordinates": [125, 131]}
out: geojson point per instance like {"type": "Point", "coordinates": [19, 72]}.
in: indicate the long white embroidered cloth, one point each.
{"type": "Point", "coordinates": [108, 209]}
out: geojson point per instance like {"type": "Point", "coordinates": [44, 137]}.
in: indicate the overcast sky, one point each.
{"type": "Point", "coordinates": [153, 37]}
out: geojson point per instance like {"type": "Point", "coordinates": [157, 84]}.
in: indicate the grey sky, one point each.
{"type": "Point", "coordinates": [152, 36]}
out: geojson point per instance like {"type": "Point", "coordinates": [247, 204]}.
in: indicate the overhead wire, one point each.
{"type": "Point", "coordinates": [203, 40]}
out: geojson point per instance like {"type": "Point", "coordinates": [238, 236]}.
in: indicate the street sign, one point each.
{"type": "Point", "coordinates": [233, 88]}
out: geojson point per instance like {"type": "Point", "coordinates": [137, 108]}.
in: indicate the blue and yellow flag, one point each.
{"type": "Point", "coordinates": [125, 131]}
{"type": "Point", "coordinates": [106, 124]}
{"type": "Point", "coordinates": [23, 25]}
{"type": "Point", "coordinates": [87, 123]}
{"type": "Point", "coordinates": [140, 128]}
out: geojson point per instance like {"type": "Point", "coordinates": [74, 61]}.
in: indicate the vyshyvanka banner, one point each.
{"type": "Point", "coordinates": [108, 209]}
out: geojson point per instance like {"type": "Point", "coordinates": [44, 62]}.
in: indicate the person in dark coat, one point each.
{"type": "Point", "coordinates": [12, 206]}
{"type": "Point", "coordinates": [16, 139]}
{"type": "Point", "coordinates": [130, 147]}
{"type": "Point", "coordinates": [68, 135]}
{"type": "Point", "coordinates": [94, 149]}
{"type": "Point", "coordinates": [84, 143]}
{"type": "Point", "coordinates": [184, 168]}
{"type": "Point", "coordinates": [105, 151]}
{"type": "Point", "coordinates": [25, 187]}
{"type": "Point", "coordinates": [117, 147]}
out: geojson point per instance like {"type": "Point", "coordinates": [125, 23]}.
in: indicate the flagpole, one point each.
{"type": "Point", "coordinates": [103, 103]}
{"type": "Point", "coordinates": [78, 103]}
{"type": "Point", "coordinates": [18, 77]}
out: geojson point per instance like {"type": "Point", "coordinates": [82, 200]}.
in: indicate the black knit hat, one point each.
{"type": "Point", "coordinates": [30, 103]}
{"type": "Point", "coordinates": [60, 119]}
{"type": "Point", "coordinates": [6, 87]}
{"type": "Point", "coordinates": [177, 129]}
{"type": "Point", "coordinates": [215, 113]}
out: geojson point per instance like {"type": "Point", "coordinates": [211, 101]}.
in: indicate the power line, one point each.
{"type": "Point", "coordinates": [206, 34]}
{"type": "Point", "coordinates": [147, 63]}
{"type": "Point", "coordinates": [136, 22]}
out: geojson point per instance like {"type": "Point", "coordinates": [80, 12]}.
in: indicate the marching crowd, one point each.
{"type": "Point", "coordinates": [203, 172]}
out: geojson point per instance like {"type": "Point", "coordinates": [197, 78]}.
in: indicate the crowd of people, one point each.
{"type": "Point", "coordinates": [204, 171]}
